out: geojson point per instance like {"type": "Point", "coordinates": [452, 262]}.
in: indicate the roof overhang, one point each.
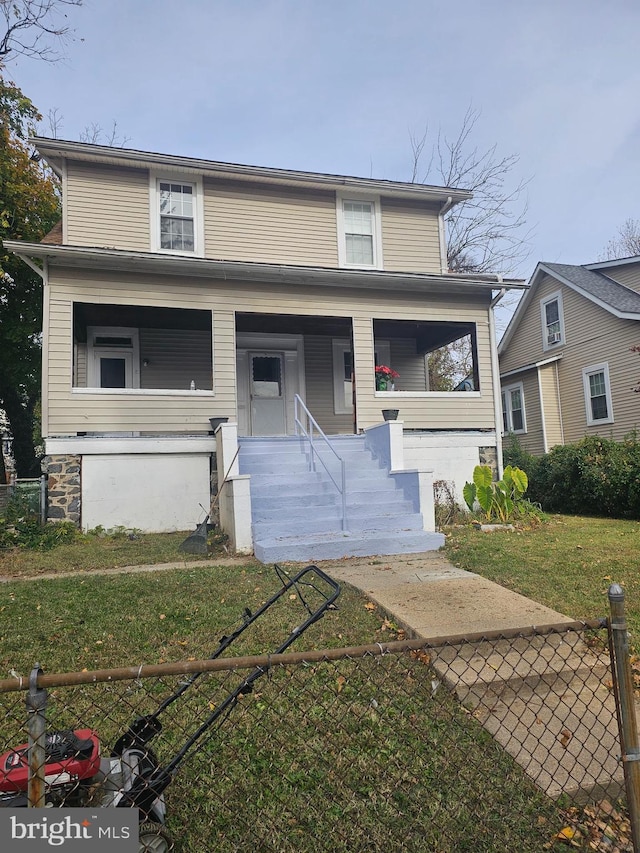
{"type": "Point", "coordinates": [160, 264]}
{"type": "Point", "coordinates": [535, 365]}
{"type": "Point", "coordinates": [57, 151]}
{"type": "Point", "coordinates": [540, 271]}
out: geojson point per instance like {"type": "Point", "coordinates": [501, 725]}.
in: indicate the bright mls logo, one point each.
{"type": "Point", "coordinates": [69, 829]}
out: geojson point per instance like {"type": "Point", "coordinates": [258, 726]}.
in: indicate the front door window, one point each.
{"type": "Point", "coordinates": [267, 394]}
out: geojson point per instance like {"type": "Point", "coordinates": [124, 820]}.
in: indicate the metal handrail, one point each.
{"type": "Point", "coordinates": [300, 429]}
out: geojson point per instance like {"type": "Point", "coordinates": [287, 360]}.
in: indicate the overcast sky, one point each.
{"type": "Point", "coordinates": [338, 85]}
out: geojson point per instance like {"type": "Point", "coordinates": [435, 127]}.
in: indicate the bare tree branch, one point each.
{"type": "Point", "coordinates": [30, 26]}
{"type": "Point", "coordinates": [488, 233]}
{"type": "Point", "coordinates": [95, 134]}
{"type": "Point", "coordinates": [626, 244]}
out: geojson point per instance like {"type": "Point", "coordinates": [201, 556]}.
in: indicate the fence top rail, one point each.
{"type": "Point", "coordinates": [134, 673]}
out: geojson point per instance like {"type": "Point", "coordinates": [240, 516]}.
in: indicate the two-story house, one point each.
{"type": "Point", "coordinates": [566, 364]}
{"type": "Point", "coordinates": [179, 291]}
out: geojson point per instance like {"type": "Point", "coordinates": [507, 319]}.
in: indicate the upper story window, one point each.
{"type": "Point", "coordinates": [552, 321]}
{"type": "Point", "coordinates": [359, 234]}
{"type": "Point", "coordinates": [176, 216]}
{"type": "Point", "coordinates": [513, 419]}
{"type": "Point", "coordinates": [597, 394]}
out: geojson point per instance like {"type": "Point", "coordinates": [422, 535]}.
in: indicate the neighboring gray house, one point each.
{"type": "Point", "coordinates": [566, 365]}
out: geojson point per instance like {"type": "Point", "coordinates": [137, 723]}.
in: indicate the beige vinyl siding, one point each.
{"type": "Point", "coordinates": [107, 207]}
{"type": "Point", "coordinates": [411, 366]}
{"type": "Point", "coordinates": [410, 237]}
{"type": "Point", "coordinates": [526, 346]}
{"type": "Point", "coordinates": [176, 358]}
{"type": "Point", "coordinates": [318, 366]}
{"type": "Point", "coordinates": [252, 222]}
{"type": "Point", "coordinates": [71, 412]}
{"type": "Point", "coordinates": [627, 274]}
{"type": "Point", "coordinates": [532, 440]}
{"type": "Point", "coordinates": [80, 376]}
{"type": "Point", "coordinates": [592, 336]}
{"type": "Point", "coordinates": [551, 404]}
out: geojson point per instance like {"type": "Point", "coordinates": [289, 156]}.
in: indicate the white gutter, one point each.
{"type": "Point", "coordinates": [495, 377]}
{"type": "Point", "coordinates": [444, 261]}
{"type": "Point", "coordinates": [41, 271]}
{"type": "Point", "coordinates": [132, 261]}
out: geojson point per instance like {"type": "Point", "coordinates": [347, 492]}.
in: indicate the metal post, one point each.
{"type": "Point", "coordinates": [623, 685]}
{"type": "Point", "coordinates": [36, 724]}
{"type": "Point", "coordinates": [43, 499]}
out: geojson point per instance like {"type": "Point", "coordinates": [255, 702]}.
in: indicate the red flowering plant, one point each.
{"type": "Point", "coordinates": [384, 377]}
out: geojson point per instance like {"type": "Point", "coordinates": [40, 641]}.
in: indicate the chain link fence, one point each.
{"type": "Point", "coordinates": [494, 743]}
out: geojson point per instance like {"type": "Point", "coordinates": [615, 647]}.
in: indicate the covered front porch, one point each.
{"type": "Point", "coordinates": [330, 362]}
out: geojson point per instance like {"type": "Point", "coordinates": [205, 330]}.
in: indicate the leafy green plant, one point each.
{"type": "Point", "coordinates": [498, 500]}
{"type": "Point", "coordinates": [22, 528]}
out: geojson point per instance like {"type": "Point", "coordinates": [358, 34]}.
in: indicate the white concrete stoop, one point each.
{"type": "Point", "coordinates": [296, 512]}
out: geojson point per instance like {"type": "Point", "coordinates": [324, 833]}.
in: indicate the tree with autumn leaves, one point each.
{"type": "Point", "coordinates": [29, 207]}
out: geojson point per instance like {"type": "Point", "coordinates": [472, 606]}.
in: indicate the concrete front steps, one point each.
{"type": "Point", "coordinates": [296, 513]}
{"type": "Point", "coordinates": [547, 701]}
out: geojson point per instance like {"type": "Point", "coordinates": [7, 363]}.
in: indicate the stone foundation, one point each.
{"type": "Point", "coordinates": [64, 488]}
{"type": "Point", "coordinates": [489, 456]}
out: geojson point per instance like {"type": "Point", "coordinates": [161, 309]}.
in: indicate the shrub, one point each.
{"type": "Point", "coordinates": [22, 528]}
{"type": "Point", "coordinates": [594, 476]}
{"type": "Point", "coordinates": [515, 455]}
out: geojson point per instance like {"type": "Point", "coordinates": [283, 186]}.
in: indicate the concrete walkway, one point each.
{"type": "Point", "coordinates": [429, 597]}
{"type": "Point", "coordinates": [545, 699]}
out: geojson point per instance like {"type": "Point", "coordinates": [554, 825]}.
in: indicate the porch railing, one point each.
{"type": "Point", "coordinates": [307, 428]}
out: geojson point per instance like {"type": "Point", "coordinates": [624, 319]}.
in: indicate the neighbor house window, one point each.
{"type": "Point", "coordinates": [513, 419]}
{"type": "Point", "coordinates": [597, 394]}
{"type": "Point", "coordinates": [176, 216]}
{"type": "Point", "coordinates": [359, 241]}
{"type": "Point", "coordinates": [552, 321]}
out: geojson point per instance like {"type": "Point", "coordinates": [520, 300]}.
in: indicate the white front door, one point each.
{"type": "Point", "coordinates": [267, 393]}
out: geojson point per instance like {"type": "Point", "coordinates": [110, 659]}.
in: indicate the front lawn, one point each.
{"type": "Point", "coordinates": [356, 755]}
{"type": "Point", "coordinates": [566, 564]}
{"type": "Point", "coordinates": [99, 551]}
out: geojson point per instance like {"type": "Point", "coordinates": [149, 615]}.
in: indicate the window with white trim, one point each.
{"type": "Point", "coordinates": [513, 417]}
{"type": "Point", "coordinates": [113, 357]}
{"type": "Point", "coordinates": [552, 321]}
{"type": "Point", "coordinates": [359, 235]}
{"type": "Point", "coordinates": [597, 394]}
{"type": "Point", "coordinates": [343, 371]}
{"type": "Point", "coordinates": [176, 215]}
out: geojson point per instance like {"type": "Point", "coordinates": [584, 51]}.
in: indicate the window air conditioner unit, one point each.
{"type": "Point", "coordinates": [554, 338]}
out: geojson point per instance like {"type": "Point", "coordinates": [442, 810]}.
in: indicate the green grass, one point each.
{"type": "Point", "coordinates": [351, 756]}
{"type": "Point", "coordinates": [89, 553]}
{"type": "Point", "coordinates": [566, 564]}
